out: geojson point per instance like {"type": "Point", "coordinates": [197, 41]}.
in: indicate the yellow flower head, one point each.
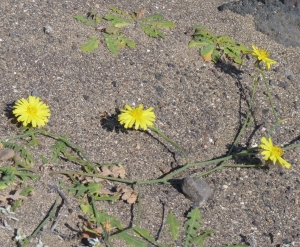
{"type": "Point", "coordinates": [262, 55]}
{"type": "Point", "coordinates": [272, 153]}
{"type": "Point", "coordinates": [32, 111]}
{"type": "Point", "coordinates": [137, 116]}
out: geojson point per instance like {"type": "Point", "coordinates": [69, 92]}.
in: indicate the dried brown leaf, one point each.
{"type": "Point", "coordinates": [105, 171]}
{"type": "Point", "coordinates": [118, 171]}
{"type": "Point", "coordinates": [139, 13]}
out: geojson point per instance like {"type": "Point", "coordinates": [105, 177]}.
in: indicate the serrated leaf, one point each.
{"type": "Point", "coordinates": [25, 192]}
{"type": "Point", "coordinates": [131, 240]}
{"type": "Point", "coordinates": [192, 224]}
{"type": "Point", "coordinates": [117, 21]}
{"type": "Point", "coordinates": [152, 17]}
{"type": "Point", "coordinates": [207, 51]}
{"type": "Point", "coordinates": [199, 44]}
{"type": "Point", "coordinates": [85, 20]}
{"type": "Point", "coordinates": [58, 147]}
{"type": "Point", "coordinates": [149, 30]}
{"type": "Point", "coordinates": [174, 225]}
{"type": "Point", "coordinates": [111, 43]}
{"type": "Point", "coordinates": [238, 60]}
{"type": "Point", "coordinates": [163, 24]}
{"type": "Point", "coordinates": [80, 189]}
{"type": "Point", "coordinates": [90, 45]}
{"type": "Point", "coordinates": [199, 240]}
{"type": "Point", "coordinates": [144, 233]}
{"type": "Point", "coordinates": [118, 11]}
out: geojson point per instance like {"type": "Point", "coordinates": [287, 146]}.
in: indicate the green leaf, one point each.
{"type": "Point", "coordinates": [215, 56]}
{"type": "Point", "coordinates": [131, 240]}
{"type": "Point", "coordinates": [117, 21]}
{"type": "Point", "coordinates": [207, 51]}
{"type": "Point", "coordinates": [118, 11]}
{"type": "Point", "coordinates": [85, 20]}
{"type": "Point", "coordinates": [58, 147]}
{"type": "Point", "coordinates": [199, 240]}
{"type": "Point", "coordinates": [25, 154]}
{"type": "Point", "coordinates": [174, 225]}
{"type": "Point", "coordinates": [90, 45]}
{"type": "Point", "coordinates": [25, 192]}
{"type": "Point", "coordinates": [149, 30]}
{"type": "Point", "coordinates": [238, 60]}
{"type": "Point", "coordinates": [152, 17]}
{"type": "Point", "coordinates": [107, 198]}
{"type": "Point", "coordinates": [144, 233]}
{"type": "Point", "coordinates": [199, 44]}
{"type": "Point", "coordinates": [111, 43]}
{"type": "Point", "coordinates": [192, 224]}
{"type": "Point", "coordinates": [80, 189]}
{"type": "Point", "coordinates": [163, 24]}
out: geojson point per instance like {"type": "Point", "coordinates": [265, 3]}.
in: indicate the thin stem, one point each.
{"type": "Point", "coordinates": [269, 94]}
{"type": "Point", "coordinates": [170, 141]}
{"type": "Point", "coordinates": [138, 217]}
{"type": "Point", "coordinates": [50, 215]}
{"type": "Point", "coordinates": [247, 118]}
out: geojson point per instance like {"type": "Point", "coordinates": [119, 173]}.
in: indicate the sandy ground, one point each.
{"type": "Point", "coordinates": [200, 105]}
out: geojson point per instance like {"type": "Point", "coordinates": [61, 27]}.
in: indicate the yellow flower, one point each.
{"type": "Point", "coordinates": [137, 116]}
{"type": "Point", "coordinates": [272, 153]}
{"type": "Point", "coordinates": [262, 55]}
{"type": "Point", "coordinates": [31, 111]}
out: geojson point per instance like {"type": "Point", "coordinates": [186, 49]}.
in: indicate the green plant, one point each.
{"type": "Point", "coordinates": [213, 47]}
{"type": "Point", "coordinates": [113, 36]}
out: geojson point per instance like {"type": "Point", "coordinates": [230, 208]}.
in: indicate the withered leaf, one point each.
{"type": "Point", "coordinates": [118, 171]}
{"type": "Point", "coordinates": [139, 13]}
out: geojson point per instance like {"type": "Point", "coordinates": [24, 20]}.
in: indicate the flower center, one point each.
{"type": "Point", "coordinates": [32, 110]}
{"type": "Point", "coordinates": [137, 114]}
{"type": "Point", "coordinates": [277, 151]}
{"type": "Point", "coordinates": [263, 53]}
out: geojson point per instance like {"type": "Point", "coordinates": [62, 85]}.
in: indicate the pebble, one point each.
{"type": "Point", "coordinates": [6, 154]}
{"type": "Point", "coordinates": [196, 190]}
{"type": "Point", "coordinates": [158, 76]}
{"type": "Point", "coordinates": [271, 82]}
{"type": "Point", "coordinates": [114, 83]}
{"type": "Point", "coordinates": [291, 77]}
{"type": "Point", "coordinates": [282, 84]}
{"type": "Point", "coordinates": [158, 89]}
{"type": "Point", "coordinates": [35, 93]}
{"type": "Point", "coordinates": [86, 97]}
{"type": "Point", "coordinates": [182, 80]}
{"type": "Point", "coordinates": [48, 29]}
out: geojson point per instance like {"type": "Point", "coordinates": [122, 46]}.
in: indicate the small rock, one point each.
{"type": "Point", "coordinates": [197, 190]}
{"type": "Point", "coordinates": [182, 80]}
{"type": "Point", "coordinates": [158, 76]}
{"type": "Point", "coordinates": [6, 154]}
{"type": "Point", "coordinates": [48, 29]}
{"type": "Point", "coordinates": [291, 77]}
{"type": "Point", "coordinates": [114, 83]}
{"type": "Point", "coordinates": [282, 84]}
{"type": "Point", "coordinates": [86, 97]}
{"type": "Point", "coordinates": [74, 47]}
{"type": "Point", "coordinates": [158, 89]}
{"type": "Point", "coordinates": [35, 93]}
{"type": "Point", "coordinates": [271, 82]}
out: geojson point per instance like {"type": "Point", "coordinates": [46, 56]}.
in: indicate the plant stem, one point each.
{"type": "Point", "coordinates": [170, 141]}
{"type": "Point", "coordinates": [269, 94]}
{"type": "Point", "coordinates": [50, 215]}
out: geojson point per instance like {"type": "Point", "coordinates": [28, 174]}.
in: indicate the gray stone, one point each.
{"type": "Point", "coordinates": [196, 190]}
